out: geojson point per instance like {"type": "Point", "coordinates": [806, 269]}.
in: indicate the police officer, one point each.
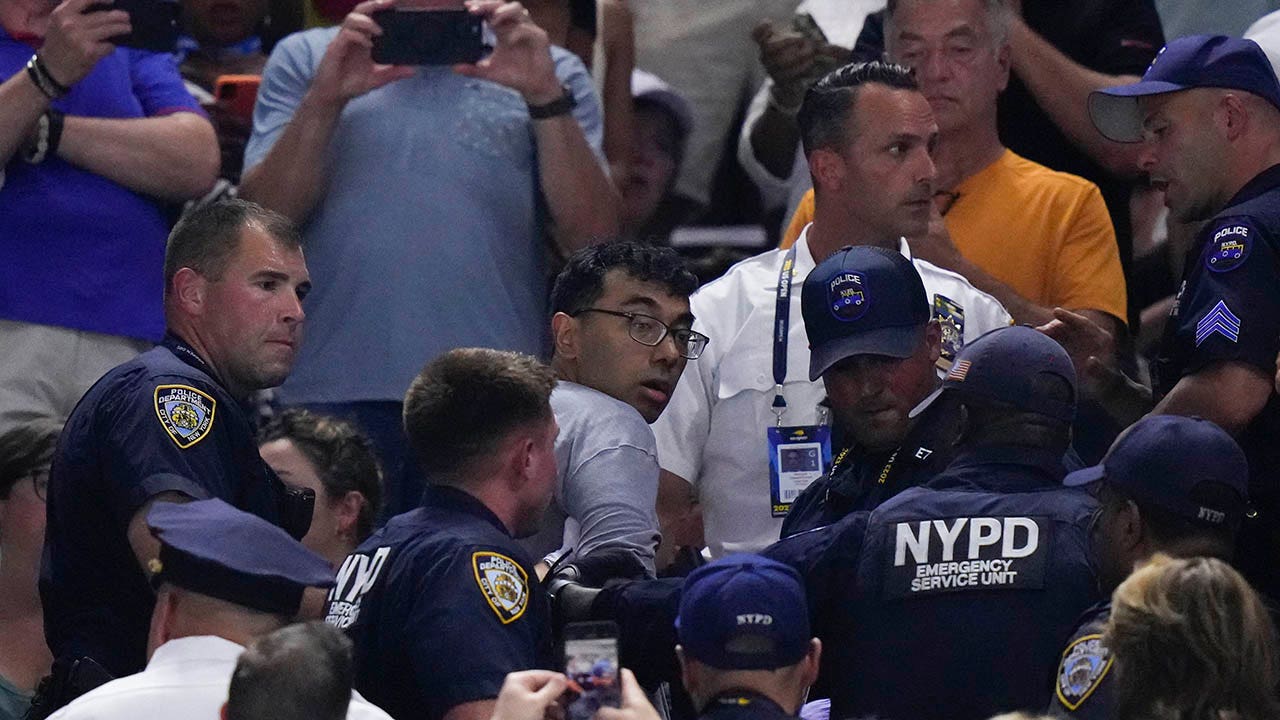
{"type": "Point", "coordinates": [442, 602]}
{"type": "Point", "coordinates": [1208, 111]}
{"type": "Point", "coordinates": [224, 578]}
{"type": "Point", "coordinates": [874, 343]}
{"type": "Point", "coordinates": [171, 424]}
{"type": "Point", "coordinates": [954, 596]}
{"type": "Point", "coordinates": [745, 647]}
{"type": "Point", "coordinates": [1170, 484]}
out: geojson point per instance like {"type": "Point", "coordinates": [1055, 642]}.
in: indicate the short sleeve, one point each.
{"type": "Point", "coordinates": [165, 436]}
{"type": "Point", "coordinates": [613, 496]}
{"type": "Point", "coordinates": [1230, 310]}
{"type": "Point", "coordinates": [470, 625]}
{"type": "Point", "coordinates": [773, 188]}
{"type": "Point", "coordinates": [285, 81]}
{"type": "Point", "coordinates": [1088, 273]}
{"type": "Point", "coordinates": [158, 84]}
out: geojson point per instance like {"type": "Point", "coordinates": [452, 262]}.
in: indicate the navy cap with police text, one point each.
{"type": "Point", "coordinates": [1195, 61]}
{"type": "Point", "coordinates": [1187, 465]}
{"type": "Point", "coordinates": [744, 612]}
{"type": "Point", "coordinates": [862, 301]}
{"type": "Point", "coordinates": [1018, 366]}
{"type": "Point", "coordinates": [211, 548]}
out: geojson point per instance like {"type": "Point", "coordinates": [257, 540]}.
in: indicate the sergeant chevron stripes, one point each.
{"type": "Point", "coordinates": [1219, 320]}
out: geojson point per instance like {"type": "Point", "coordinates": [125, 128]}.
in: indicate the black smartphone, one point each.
{"type": "Point", "coordinates": [428, 37]}
{"type": "Point", "coordinates": [591, 663]}
{"type": "Point", "coordinates": [155, 24]}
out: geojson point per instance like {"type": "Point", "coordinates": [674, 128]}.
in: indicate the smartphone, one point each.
{"type": "Point", "coordinates": [428, 37]}
{"type": "Point", "coordinates": [237, 93]}
{"type": "Point", "coordinates": [591, 664]}
{"type": "Point", "coordinates": [155, 24]}
{"type": "Point", "coordinates": [804, 24]}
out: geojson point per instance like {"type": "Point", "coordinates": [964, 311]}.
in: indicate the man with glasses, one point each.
{"type": "Point", "coordinates": [621, 334]}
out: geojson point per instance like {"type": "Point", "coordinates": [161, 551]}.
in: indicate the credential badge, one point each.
{"type": "Point", "coordinates": [185, 412]}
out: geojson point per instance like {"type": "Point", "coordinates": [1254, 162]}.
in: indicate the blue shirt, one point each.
{"type": "Point", "coordinates": [1228, 310]}
{"type": "Point", "coordinates": [430, 232]}
{"type": "Point", "coordinates": [158, 423]}
{"type": "Point", "coordinates": [441, 604]}
{"type": "Point", "coordinates": [958, 596]}
{"type": "Point", "coordinates": [79, 250]}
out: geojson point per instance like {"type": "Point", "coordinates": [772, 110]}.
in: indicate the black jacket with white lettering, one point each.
{"type": "Point", "coordinates": [964, 593]}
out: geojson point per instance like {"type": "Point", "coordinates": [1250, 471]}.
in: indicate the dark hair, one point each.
{"type": "Point", "coordinates": [829, 103]}
{"type": "Point", "coordinates": [467, 401]}
{"type": "Point", "coordinates": [342, 456]}
{"type": "Point", "coordinates": [1170, 531]}
{"type": "Point", "coordinates": [206, 238]}
{"type": "Point", "coordinates": [299, 672]}
{"type": "Point", "coordinates": [581, 281]}
{"type": "Point", "coordinates": [26, 449]}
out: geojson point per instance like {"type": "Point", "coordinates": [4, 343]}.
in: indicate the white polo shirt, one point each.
{"type": "Point", "coordinates": [712, 433]}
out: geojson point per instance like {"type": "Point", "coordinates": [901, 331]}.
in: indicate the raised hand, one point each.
{"type": "Point", "coordinates": [76, 40]}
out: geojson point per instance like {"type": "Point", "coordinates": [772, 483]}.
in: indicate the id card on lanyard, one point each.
{"type": "Point", "coordinates": [798, 454]}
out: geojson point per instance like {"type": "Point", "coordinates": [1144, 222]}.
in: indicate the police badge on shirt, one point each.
{"type": "Point", "coordinates": [1084, 664]}
{"type": "Point", "coordinates": [185, 413]}
{"type": "Point", "coordinates": [504, 583]}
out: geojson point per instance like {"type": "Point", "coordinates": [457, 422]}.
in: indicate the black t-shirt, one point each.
{"type": "Point", "coordinates": [155, 424]}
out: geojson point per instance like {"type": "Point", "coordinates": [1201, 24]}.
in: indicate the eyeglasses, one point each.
{"type": "Point", "coordinates": [649, 330]}
{"type": "Point", "coordinates": [40, 484]}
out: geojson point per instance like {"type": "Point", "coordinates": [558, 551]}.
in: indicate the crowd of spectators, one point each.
{"type": "Point", "coordinates": [688, 317]}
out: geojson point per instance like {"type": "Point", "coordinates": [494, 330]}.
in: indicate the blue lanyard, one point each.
{"type": "Point", "coordinates": [781, 325]}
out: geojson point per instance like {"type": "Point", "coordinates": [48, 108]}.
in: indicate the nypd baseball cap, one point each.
{"type": "Point", "coordinates": [862, 301]}
{"type": "Point", "coordinates": [1195, 61]}
{"type": "Point", "coordinates": [1185, 465]}
{"type": "Point", "coordinates": [1018, 366]}
{"type": "Point", "coordinates": [744, 612]}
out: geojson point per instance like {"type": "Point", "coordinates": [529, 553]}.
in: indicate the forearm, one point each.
{"type": "Point", "coordinates": [21, 104]}
{"type": "Point", "coordinates": [773, 140]}
{"type": "Point", "coordinates": [1230, 394]}
{"type": "Point", "coordinates": [1061, 87]}
{"type": "Point", "coordinates": [582, 201]}
{"type": "Point", "coordinates": [293, 175]}
{"type": "Point", "coordinates": [619, 62]}
{"type": "Point", "coordinates": [173, 157]}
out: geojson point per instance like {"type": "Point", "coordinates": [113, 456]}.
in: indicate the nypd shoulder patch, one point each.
{"type": "Point", "coordinates": [1084, 664]}
{"type": "Point", "coordinates": [185, 413]}
{"type": "Point", "coordinates": [1229, 246]}
{"type": "Point", "coordinates": [504, 583]}
{"type": "Point", "coordinates": [950, 316]}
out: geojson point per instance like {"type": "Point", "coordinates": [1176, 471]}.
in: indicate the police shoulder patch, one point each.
{"type": "Point", "coordinates": [504, 583]}
{"type": "Point", "coordinates": [1084, 664]}
{"type": "Point", "coordinates": [185, 413]}
{"type": "Point", "coordinates": [1229, 245]}
{"type": "Point", "coordinates": [950, 316]}
{"type": "Point", "coordinates": [847, 296]}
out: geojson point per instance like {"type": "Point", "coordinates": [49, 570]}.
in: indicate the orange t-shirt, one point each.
{"type": "Point", "coordinates": [1045, 234]}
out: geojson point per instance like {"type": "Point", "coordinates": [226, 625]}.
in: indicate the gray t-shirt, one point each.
{"type": "Point", "coordinates": [607, 480]}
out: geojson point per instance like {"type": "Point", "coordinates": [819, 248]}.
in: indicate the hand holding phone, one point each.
{"type": "Point", "coordinates": [526, 695]}
{"type": "Point", "coordinates": [154, 24]}
{"type": "Point", "coordinates": [591, 665]}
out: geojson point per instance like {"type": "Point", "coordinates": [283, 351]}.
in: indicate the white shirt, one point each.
{"type": "Point", "coordinates": [186, 679]}
{"type": "Point", "coordinates": [712, 433]}
{"type": "Point", "coordinates": [841, 21]}
{"type": "Point", "coordinates": [1266, 32]}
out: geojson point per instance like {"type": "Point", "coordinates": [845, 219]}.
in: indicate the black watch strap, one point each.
{"type": "Point", "coordinates": [562, 105]}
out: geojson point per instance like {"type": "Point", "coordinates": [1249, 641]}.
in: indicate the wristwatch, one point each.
{"type": "Point", "coordinates": [560, 106]}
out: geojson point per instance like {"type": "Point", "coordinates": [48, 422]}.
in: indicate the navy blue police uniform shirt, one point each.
{"type": "Point", "coordinates": [861, 480]}
{"type": "Point", "coordinates": [158, 423]}
{"type": "Point", "coordinates": [441, 604]}
{"type": "Point", "coordinates": [1082, 687]}
{"type": "Point", "coordinates": [1228, 310]}
{"type": "Point", "coordinates": [743, 705]}
{"type": "Point", "coordinates": [960, 593]}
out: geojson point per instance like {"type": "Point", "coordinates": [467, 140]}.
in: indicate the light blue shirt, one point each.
{"type": "Point", "coordinates": [430, 233]}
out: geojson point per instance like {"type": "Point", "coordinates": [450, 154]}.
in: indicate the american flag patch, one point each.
{"type": "Point", "coordinates": [960, 371]}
